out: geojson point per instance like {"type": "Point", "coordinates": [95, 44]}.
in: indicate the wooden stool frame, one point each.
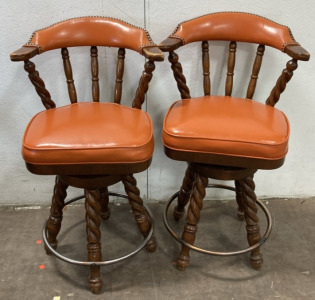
{"type": "Point", "coordinates": [217, 253]}
{"type": "Point", "coordinates": [106, 262]}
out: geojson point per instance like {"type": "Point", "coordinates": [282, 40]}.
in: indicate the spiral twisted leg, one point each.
{"type": "Point", "coordinates": [93, 221]}
{"type": "Point", "coordinates": [193, 216]}
{"type": "Point", "coordinates": [55, 217]}
{"type": "Point", "coordinates": [239, 200]}
{"type": "Point", "coordinates": [253, 233]}
{"type": "Point", "coordinates": [184, 194]}
{"type": "Point", "coordinates": [104, 199]}
{"type": "Point", "coordinates": [138, 209]}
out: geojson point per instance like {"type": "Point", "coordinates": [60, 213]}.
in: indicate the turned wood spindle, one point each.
{"type": "Point", "coordinates": [193, 217]}
{"type": "Point", "coordinates": [281, 83]}
{"type": "Point", "coordinates": [252, 220]}
{"type": "Point", "coordinates": [230, 69]}
{"type": "Point", "coordinates": [39, 84]}
{"type": "Point", "coordinates": [178, 75]}
{"type": "Point", "coordinates": [104, 200]}
{"type": "Point", "coordinates": [206, 68]}
{"type": "Point", "coordinates": [94, 71]}
{"type": "Point", "coordinates": [138, 209]}
{"type": "Point", "coordinates": [143, 84]}
{"type": "Point", "coordinates": [56, 213]}
{"type": "Point", "coordinates": [119, 75]}
{"type": "Point", "coordinates": [93, 220]}
{"type": "Point", "coordinates": [68, 73]}
{"type": "Point", "coordinates": [184, 193]}
{"type": "Point", "coordinates": [255, 71]}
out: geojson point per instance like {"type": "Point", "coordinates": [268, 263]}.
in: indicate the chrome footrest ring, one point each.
{"type": "Point", "coordinates": [217, 253]}
{"type": "Point", "coordinates": [107, 262]}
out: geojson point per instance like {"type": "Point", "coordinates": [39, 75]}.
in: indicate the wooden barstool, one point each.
{"type": "Point", "coordinates": [226, 137]}
{"type": "Point", "coordinates": [91, 145]}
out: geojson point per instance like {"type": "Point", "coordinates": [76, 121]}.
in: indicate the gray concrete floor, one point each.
{"type": "Point", "coordinates": [288, 271]}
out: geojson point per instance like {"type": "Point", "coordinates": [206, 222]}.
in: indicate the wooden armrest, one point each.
{"type": "Point", "coordinates": [170, 44]}
{"type": "Point", "coordinates": [24, 53]}
{"type": "Point", "coordinates": [153, 53]}
{"type": "Point", "coordinates": [297, 52]}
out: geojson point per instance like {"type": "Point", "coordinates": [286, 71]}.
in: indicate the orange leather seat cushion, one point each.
{"type": "Point", "coordinates": [227, 126]}
{"type": "Point", "coordinates": [85, 133]}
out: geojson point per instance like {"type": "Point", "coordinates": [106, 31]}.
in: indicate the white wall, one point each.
{"type": "Point", "coordinates": [18, 100]}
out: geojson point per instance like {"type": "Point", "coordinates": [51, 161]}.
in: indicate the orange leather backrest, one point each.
{"type": "Point", "coordinates": [90, 31]}
{"type": "Point", "coordinates": [235, 26]}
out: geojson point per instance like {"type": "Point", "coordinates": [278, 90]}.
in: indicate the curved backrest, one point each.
{"type": "Point", "coordinates": [93, 32]}
{"type": "Point", "coordinates": [235, 26]}
{"type": "Point", "coordinates": [88, 31]}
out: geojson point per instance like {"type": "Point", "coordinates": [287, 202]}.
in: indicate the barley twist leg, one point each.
{"type": "Point", "coordinates": [253, 230]}
{"type": "Point", "coordinates": [184, 194]}
{"type": "Point", "coordinates": [239, 200]}
{"type": "Point", "coordinates": [93, 221]}
{"type": "Point", "coordinates": [104, 199]}
{"type": "Point", "coordinates": [193, 216]}
{"type": "Point", "coordinates": [138, 210]}
{"type": "Point", "coordinates": [55, 217]}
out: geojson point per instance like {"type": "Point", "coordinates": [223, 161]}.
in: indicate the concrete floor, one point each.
{"type": "Point", "coordinates": [288, 272]}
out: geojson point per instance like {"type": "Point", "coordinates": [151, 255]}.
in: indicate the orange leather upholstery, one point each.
{"type": "Point", "coordinates": [234, 26]}
{"type": "Point", "coordinates": [226, 126]}
{"type": "Point", "coordinates": [108, 133]}
{"type": "Point", "coordinates": [87, 31]}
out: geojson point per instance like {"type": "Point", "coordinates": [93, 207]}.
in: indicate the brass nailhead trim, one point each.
{"type": "Point", "coordinates": [41, 50]}
{"type": "Point", "coordinates": [236, 12]}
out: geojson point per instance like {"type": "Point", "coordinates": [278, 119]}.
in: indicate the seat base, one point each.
{"type": "Point", "coordinates": [217, 253]}
{"type": "Point", "coordinates": [107, 262]}
{"type": "Point", "coordinates": [96, 207]}
{"type": "Point", "coordinates": [193, 190]}
{"type": "Point", "coordinates": [96, 284]}
{"type": "Point", "coordinates": [224, 160]}
{"type": "Point", "coordinates": [89, 169]}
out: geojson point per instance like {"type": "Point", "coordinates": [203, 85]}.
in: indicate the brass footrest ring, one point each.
{"type": "Point", "coordinates": [217, 253]}
{"type": "Point", "coordinates": [107, 262]}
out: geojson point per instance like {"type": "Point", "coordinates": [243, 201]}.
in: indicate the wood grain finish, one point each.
{"type": "Point", "coordinates": [138, 209]}
{"type": "Point", "coordinates": [143, 84]}
{"type": "Point", "coordinates": [93, 175]}
{"type": "Point", "coordinates": [104, 200]}
{"type": "Point", "coordinates": [255, 72]}
{"type": "Point", "coordinates": [185, 125]}
{"type": "Point", "coordinates": [94, 71]}
{"type": "Point", "coordinates": [206, 68]}
{"type": "Point", "coordinates": [193, 217]}
{"type": "Point", "coordinates": [230, 69]}
{"type": "Point", "coordinates": [184, 193]}
{"type": "Point", "coordinates": [68, 72]}
{"type": "Point", "coordinates": [93, 232]}
{"type": "Point", "coordinates": [119, 75]}
{"type": "Point", "coordinates": [252, 220]}
{"type": "Point", "coordinates": [178, 75]}
{"type": "Point", "coordinates": [56, 212]}
{"type": "Point", "coordinates": [38, 84]}
{"type": "Point", "coordinates": [282, 81]}
{"type": "Point", "coordinates": [239, 200]}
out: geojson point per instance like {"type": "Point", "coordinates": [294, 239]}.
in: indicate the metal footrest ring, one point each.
{"type": "Point", "coordinates": [107, 262]}
{"type": "Point", "coordinates": [217, 253]}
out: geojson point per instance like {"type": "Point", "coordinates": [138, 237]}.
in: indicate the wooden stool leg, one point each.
{"type": "Point", "coordinates": [239, 200]}
{"type": "Point", "coordinates": [104, 199]}
{"type": "Point", "coordinates": [93, 221]}
{"type": "Point", "coordinates": [193, 216]}
{"type": "Point", "coordinates": [138, 209]}
{"type": "Point", "coordinates": [184, 194]}
{"type": "Point", "coordinates": [55, 217]}
{"type": "Point", "coordinates": [253, 230]}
